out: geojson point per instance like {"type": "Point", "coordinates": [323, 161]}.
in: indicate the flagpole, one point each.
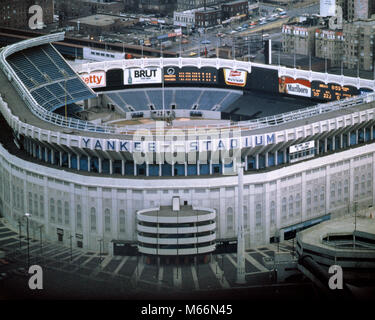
{"type": "Point", "coordinates": [162, 76]}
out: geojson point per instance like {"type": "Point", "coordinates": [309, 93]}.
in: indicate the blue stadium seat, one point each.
{"type": "Point", "coordinates": [51, 81]}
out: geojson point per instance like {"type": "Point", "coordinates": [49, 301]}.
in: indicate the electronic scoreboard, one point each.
{"type": "Point", "coordinates": [191, 75]}
{"type": "Point", "coordinates": [332, 91]}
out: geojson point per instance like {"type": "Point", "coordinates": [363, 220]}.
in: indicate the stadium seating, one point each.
{"type": "Point", "coordinates": [206, 99]}
{"type": "Point", "coordinates": [48, 77]}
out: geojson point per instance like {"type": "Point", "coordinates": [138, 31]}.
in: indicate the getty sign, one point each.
{"type": "Point", "coordinates": [95, 79]}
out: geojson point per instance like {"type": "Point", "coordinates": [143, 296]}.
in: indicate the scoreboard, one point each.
{"type": "Point", "coordinates": [190, 75]}
{"type": "Point", "coordinates": [332, 91]}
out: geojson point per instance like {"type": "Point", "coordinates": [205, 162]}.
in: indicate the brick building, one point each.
{"type": "Point", "coordinates": [15, 13]}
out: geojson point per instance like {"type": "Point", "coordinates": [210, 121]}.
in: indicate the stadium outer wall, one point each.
{"type": "Point", "coordinates": [92, 208]}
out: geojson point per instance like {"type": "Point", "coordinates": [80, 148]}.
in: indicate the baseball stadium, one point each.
{"type": "Point", "coordinates": [142, 154]}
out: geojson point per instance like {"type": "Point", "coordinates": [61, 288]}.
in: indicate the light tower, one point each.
{"type": "Point", "coordinates": [240, 230]}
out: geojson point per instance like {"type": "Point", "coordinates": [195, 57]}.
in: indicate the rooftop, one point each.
{"type": "Point", "coordinates": [100, 20]}
{"type": "Point", "coordinates": [344, 225]}
{"type": "Point", "coordinates": [234, 2]}
{"type": "Point", "coordinates": [185, 211]}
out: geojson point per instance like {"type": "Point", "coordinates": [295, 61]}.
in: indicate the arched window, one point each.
{"type": "Point", "coordinates": [59, 211]}
{"type": "Point", "coordinates": [308, 199]}
{"type": "Point", "coordinates": [107, 220]}
{"type": "Point", "coordinates": [346, 186]}
{"type": "Point", "coordinates": [230, 226]}
{"type": "Point", "coordinates": [258, 215]}
{"type": "Point", "coordinates": [333, 191]}
{"type": "Point", "coordinates": [30, 203]}
{"type": "Point", "coordinates": [36, 211]}
{"type": "Point", "coordinates": [52, 209]}
{"type": "Point", "coordinates": [273, 213]}
{"type": "Point", "coordinates": [66, 212]}
{"type": "Point", "coordinates": [283, 208]}
{"type": "Point", "coordinates": [41, 206]}
{"type": "Point", "coordinates": [339, 191]}
{"type": "Point", "coordinates": [316, 195]}
{"type": "Point", "coordinates": [322, 193]}
{"type": "Point", "coordinates": [298, 204]}
{"type": "Point", "coordinates": [363, 184]}
{"type": "Point", "coordinates": [79, 217]}
{"type": "Point", "coordinates": [356, 185]}
{"type": "Point", "coordinates": [291, 206]}
{"type": "Point", "coordinates": [93, 219]}
{"type": "Point", "coordinates": [122, 222]}
{"type": "Point", "coordinates": [245, 218]}
{"type": "Point", "coordinates": [369, 183]}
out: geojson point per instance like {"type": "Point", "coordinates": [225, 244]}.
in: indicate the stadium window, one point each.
{"type": "Point", "coordinates": [283, 209]}
{"type": "Point", "coordinates": [93, 219]}
{"type": "Point", "coordinates": [79, 217]}
{"type": "Point", "coordinates": [273, 213]}
{"type": "Point", "coordinates": [245, 217]}
{"type": "Point", "coordinates": [258, 215]}
{"type": "Point", "coordinates": [122, 220]}
{"type": "Point", "coordinates": [59, 211]}
{"type": "Point", "coordinates": [52, 209]}
{"type": "Point", "coordinates": [36, 211]}
{"type": "Point", "coordinates": [30, 203]}
{"type": "Point", "coordinates": [229, 219]}
{"type": "Point", "coordinates": [298, 204]}
{"type": "Point", "coordinates": [107, 220]}
{"type": "Point", "coordinates": [291, 206]}
{"type": "Point", "coordinates": [41, 204]}
{"type": "Point", "coordinates": [66, 213]}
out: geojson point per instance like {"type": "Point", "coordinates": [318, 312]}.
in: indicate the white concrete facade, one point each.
{"type": "Point", "coordinates": [96, 208]}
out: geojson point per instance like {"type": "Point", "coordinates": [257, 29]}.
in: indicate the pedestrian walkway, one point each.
{"type": "Point", "coordinates": [132, 273]}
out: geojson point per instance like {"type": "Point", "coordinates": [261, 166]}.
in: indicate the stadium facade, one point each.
{"type": "Point", "coordinates": [89, 182]}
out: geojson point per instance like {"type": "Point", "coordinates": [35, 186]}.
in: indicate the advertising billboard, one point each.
{"type": "Point", "coordinates": [95, 79]}
{"type": "Point", "coordinates": [296, 87]}
{"type": "Point", "coordinates": [235, 77]}
{"type": "Point", "coordinates": [302, 146]}
{"type": "Point", "coordinates": [190, 75]}
{"type": "Point", "coordinates": [142, 76]}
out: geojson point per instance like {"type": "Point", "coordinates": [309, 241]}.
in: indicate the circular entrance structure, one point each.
{"type": "Point", "coordinates": [176, 232]}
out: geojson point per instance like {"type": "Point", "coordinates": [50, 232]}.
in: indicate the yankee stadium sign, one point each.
{"type": "Point", "coordinates": [148, 144]}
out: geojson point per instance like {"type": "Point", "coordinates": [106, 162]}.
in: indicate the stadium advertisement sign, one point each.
{"type": "Point", "coordinates": [95, 79]}
{"type": "Point", "coordinates": [295, 87]}
{"type": "Point", "coordinates": [142, 76]}
{"type": "Point", "coordinates": [235, 77]}
{"type": "Point", "coordinates": [332, 91]}
{"type": "Point", "coordinates": [302, 146]}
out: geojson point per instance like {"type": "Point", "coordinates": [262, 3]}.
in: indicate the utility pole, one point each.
{"type": "Point", "coordinates": [240, 232]}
